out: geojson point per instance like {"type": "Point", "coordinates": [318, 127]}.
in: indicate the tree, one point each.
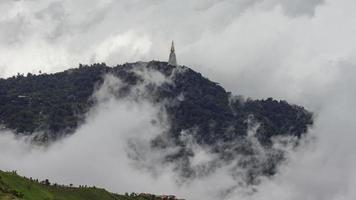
{"type": "Point", "coordinates": [46, 182]}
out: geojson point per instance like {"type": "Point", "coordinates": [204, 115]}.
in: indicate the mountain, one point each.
{"type": "Point", "coordinates": [229, 125]}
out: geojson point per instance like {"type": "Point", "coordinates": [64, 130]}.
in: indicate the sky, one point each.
{"type": "Point", "coordinates": [242, 44]}
{"type": "Point", "coordinates": [299, 50]}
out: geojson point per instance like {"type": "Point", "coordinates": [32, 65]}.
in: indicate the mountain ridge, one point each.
{"type": "Point", "coordinates": [22, 89]}
{"type": "Point", "coordinates": [56, 104]}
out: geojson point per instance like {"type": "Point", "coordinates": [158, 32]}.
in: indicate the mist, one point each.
{"type": "Point", "coordinates": [112, 149]}
{"type": "Point", "coordinates": [301, 51]}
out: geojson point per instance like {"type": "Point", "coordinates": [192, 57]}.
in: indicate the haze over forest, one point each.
{"type": "Point", "coordinates": [298, 51]}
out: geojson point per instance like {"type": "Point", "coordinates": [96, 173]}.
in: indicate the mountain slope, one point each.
{"type": "Point", "coordinates": [12, 186]}
{"type": "Point", "coordinates": [55, 103]}
{"type": "Point", "coordinates": [229, 126]}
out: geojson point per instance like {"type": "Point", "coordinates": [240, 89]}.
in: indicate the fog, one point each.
{"type": "Point", "coordinates": [112, 149]}
{"type": "Point", "coordinates": [301, 51]}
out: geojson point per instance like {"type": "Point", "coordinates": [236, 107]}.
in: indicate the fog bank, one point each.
{"type": "Point", "coordinates": [301, 51]}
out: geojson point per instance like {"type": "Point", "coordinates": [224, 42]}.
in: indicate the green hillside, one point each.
{"type": "Point", "coordinates": [13, 186]}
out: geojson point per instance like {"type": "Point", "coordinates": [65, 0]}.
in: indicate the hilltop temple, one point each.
{"type": "Point", "coordinates": [172, 56]}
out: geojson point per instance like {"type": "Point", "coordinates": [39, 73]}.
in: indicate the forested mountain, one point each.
{"type": "Point", "coordinates": [55, 104]}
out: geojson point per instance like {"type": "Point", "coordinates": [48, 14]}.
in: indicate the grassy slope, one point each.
{"type": "Point", "coordinates": [12, 186]}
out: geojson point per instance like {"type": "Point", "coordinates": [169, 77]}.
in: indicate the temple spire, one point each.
{"type": "Point", "coordinates": [172, 56]}
{"type": "Point", "coordinates": [172, 47]}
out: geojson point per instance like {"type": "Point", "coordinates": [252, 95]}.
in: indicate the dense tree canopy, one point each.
{"type": "Point", "coordinates": [56, 104]}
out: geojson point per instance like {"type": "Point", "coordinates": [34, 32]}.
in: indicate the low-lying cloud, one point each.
{"type": "Point", "coordinates": [301, 51]}
{"type": "Point", "coordinates": [113, 150]}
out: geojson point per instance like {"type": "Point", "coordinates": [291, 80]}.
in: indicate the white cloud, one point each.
{"type": "Point", "coordinates": [301, 51]}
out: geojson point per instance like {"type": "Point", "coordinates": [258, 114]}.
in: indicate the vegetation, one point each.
{"type": "Point", "coordinates": [53, 103]}
{"type": "Point", "coordinates": [56, 104]}
{"type": "Point", "coordinates": [13, 186]}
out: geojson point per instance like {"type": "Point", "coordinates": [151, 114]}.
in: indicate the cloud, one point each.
{"type": "Point", "coordinates": [112, 150]}
{"type": "Point", "coordinates": [301, 51]}
{"type": "Point", "coordinates": [98, 152]}
{"type": "Point", "coordinates": [296, 8]}
{"type": "Point", "coordinates": [55, 35]}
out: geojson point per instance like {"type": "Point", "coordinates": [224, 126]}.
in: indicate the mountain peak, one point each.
{"type": "Point", "coordinates": [56, 104]}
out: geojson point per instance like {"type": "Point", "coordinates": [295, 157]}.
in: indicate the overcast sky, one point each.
{"type": "Point", "coordinates": [300, 50]}
{"type": "Point", "coordinates": [259, 48]}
